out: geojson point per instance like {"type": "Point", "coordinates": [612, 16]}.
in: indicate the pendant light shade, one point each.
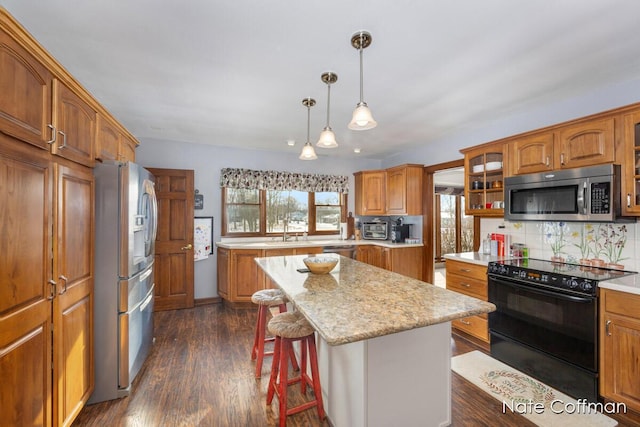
{"type": "Point", "coordinates": [327, 137]}
{"type": "Point", "coordinates": [308, 153]}
{"type": "Point", "coordinates": [362, 117]}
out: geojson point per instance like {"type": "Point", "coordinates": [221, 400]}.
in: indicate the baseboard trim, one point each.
{"type": "Point", "coordinates": [205, 301]}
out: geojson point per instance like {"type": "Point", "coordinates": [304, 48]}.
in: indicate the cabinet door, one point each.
{"type": "Point", "coordinates": [107, 139]}
{"type": "Point", "coordinates": [127, 150]}
{"type": "Point", "coordinates": [531, 154]}
{"type": "Point", "coordinates": [483, 168]}
{"type": "Point", "coordinates": [586, 144]}
{"type": "Point", "coordinates": [249, 278]}
{"type": "Point", "coordinates": [73, 306]}
{"type": "Point", "coordinates": [396, 191]}
{"type": "Point", "coordinates": [620, 347]}
{"type": "Point", "coordinates": [372, 255]}
{"type": "Point", "coordinates": [630, 160]}
{"type": "Point", "coordinates": [75, 123]}
{"type": "Point", "coordinates": [223, 272]}
{"type": "Point", "coordinates": [25, 101]}
{"type": "Point", "coordinates": [25, 292]}
{"type": "Point", "coordinates": [370, 193]}
{"type": "Point", "coordinates": [406, 261]}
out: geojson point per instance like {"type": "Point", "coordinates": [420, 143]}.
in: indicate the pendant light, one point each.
{"type": "Point", "coordinates": [362, 118]}
{"type": "Point", "coordinates": [327, 137]}
{"type": "Point", "coordinates": [308, 153]}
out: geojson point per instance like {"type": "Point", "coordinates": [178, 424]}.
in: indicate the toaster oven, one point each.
{"type": "Point", "coordinates": [375, 230]}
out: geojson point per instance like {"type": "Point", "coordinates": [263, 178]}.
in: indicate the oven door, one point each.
{"type": "Point", "coordinates": [564, 326]}
{"type": "Point", "coordinates": [548, 335]}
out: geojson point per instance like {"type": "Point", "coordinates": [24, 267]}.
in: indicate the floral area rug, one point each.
{"type": "Point", "coordinates": [519, 393]}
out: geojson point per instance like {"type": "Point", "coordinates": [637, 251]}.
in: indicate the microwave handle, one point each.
{"type": "Point", "coordinates": [581, 199]}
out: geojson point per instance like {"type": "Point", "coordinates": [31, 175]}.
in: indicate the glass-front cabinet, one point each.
{"type": "Point", "coordinates": [483, 171]}
{"type": "Point", "coordinates": [631, 165]}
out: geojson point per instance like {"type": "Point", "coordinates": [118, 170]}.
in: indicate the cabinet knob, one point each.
{"type": "Point", "coordinates": [606, 328]}
{"type": "Point", "coordinates": [64, 288]}
{"type": "Point", "coordinates": [64, 139]}
{"type": "Point", "coordinates": [54, 134]}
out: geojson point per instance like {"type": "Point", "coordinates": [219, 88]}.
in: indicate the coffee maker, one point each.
{"type": "Point", "coordinates": [400, 231]}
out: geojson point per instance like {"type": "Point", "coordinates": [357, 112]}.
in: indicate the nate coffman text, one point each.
{"type": "Point", "coordinates": [558, 406]}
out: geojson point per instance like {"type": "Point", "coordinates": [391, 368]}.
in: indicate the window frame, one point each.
{"type": "Point", "coordinates": [262, 197]}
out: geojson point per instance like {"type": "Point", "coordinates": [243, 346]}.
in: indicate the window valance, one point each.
{"type": "Point", "coordinates": [276, 180]}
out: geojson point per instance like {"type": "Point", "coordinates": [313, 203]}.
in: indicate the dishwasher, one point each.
{"type": "Point", "coordinates": [348, 251]}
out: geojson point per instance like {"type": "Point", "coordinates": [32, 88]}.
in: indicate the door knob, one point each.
{"type": "Point", "coordinates": [188, 247]}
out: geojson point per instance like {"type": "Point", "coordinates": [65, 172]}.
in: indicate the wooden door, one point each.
{"type": "Point", "coordinates": [127, 149]}
{"type": "Point", "coordinates": [73, 306]}
{"type": "Point", "coordinates": [174, 243]}
{"type": "Point", "coordinates": [586, 144]}
{"type": "Point", "coordinates": [396, 191]}
{"type": "Point", "coordinates": [25, 104]}
{"type": "Point", "coordinates": [75, 123]}
{"type": "Point", "coordinates": [25, 290]}
{"type": "Point", "coordinates": [224, 272]}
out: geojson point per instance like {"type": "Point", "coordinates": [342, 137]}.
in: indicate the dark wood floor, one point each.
{"type": "Point", "coordinates": [199, 373]}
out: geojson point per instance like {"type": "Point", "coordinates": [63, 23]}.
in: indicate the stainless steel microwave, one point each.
{"type": "Point", "coordinates": [580, 194]}
{"type": "Point", "coordinates": [375, 230]}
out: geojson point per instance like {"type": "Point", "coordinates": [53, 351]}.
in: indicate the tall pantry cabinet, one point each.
{"type": "Point", "coordinates": [47, 148]}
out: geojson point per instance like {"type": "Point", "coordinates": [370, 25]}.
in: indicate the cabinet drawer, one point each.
{"type": "Point", "coordinates": [467, 269]}
{"type": "Point", "coordinates": [473, 325]}
{"type": "Point", "coordinates": [468, 285]}
{"type": "Point", "coordinates": [622, 303]}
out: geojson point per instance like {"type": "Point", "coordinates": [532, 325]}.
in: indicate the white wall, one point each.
{"type": "Point", "coordinates": [518, 121]}
{"type": "Point", "coordinates": [206, 161]}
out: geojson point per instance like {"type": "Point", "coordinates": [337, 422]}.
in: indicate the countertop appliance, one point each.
{"type": "Point", "coordinates": [546, 321]}
{"type": "Point", "coordinates": [400, 232]}
{"type": "Point", "coordinates": [375, 230]}
{"type": "Point", "coordinates": [126, 225]}
{"type": "Point", "coordinates": [580, 194]}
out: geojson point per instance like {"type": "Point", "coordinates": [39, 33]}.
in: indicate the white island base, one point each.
{"type": "Point", "coordinates": [401, 379]}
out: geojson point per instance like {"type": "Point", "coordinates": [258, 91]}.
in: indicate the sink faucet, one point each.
{"type": "Point", "coordinates": [284, 231]}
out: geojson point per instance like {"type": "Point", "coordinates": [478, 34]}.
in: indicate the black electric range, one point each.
{"type": "Point", "coordinates": [561, 277]}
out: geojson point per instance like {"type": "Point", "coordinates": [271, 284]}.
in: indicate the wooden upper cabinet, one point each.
{"type": "Point", "coordinates": [531, 154]}
{"type": "Point", "coordinates": [483, 174]}
{"type": "Point", "coordinates": [75, 123]}
{"type": "Point", "coordinates": [630, 165]}
{"type": "Point", "coordinates": [404, 190]}
{"type": "Point", "coordinates": [127, 149]}
{"type": "Point", "coordinates": [112, 143]}
{"type": "Point", "coordinates": [587, 143]}
{"type": "Point", "coordinates": [107, 139]}
{"type": "Point", "coordinates": [25, 98]}
{"type": "Point", "coordinates": [370, 192]}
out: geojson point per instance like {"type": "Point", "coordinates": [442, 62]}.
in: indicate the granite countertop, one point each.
{"type": "Point", "coordinates": [358, 301]}
{"type": "Point", "coordinates": [279, 244]}
{"type": "Point", "coordinates": [475, 257]}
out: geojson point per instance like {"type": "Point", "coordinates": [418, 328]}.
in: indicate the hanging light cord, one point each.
{"type": "Point", "coordinates": [328, 102]}
{"type": "Point", "coordinates": [361, 73]}
{"type": "Point", "coordinates": [308, 122]}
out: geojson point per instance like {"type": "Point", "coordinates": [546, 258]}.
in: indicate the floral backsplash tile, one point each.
{"type": "Point", "coordinates": [575, 242]}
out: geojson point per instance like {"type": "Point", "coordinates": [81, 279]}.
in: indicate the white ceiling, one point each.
{"type": "Point", "coordinates": [234, 73]}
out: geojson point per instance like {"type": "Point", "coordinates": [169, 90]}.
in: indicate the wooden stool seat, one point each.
{"type": "Point", "coordinates": [265, 299]}
{"type": "Point", "coordinates": [288, 328]}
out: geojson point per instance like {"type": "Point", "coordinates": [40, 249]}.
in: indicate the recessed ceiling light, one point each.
{"type": "Point", "coordinates": [291, 142]}
{"type": "Point", "coordinates": [356, 150]}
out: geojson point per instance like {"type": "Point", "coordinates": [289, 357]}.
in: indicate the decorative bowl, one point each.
{"type": "Point", "coordinates": [320, 264]}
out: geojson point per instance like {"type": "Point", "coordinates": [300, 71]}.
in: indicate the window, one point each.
{"type": "Point", "coordinates": [263, 203]}
{"type": "Point", "coordinates": [456, 230]}
{"type": "Point", "coordinates": [243, 212]}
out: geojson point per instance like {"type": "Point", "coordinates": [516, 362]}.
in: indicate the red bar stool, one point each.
{"type": "Point", "coordinates": [266, 299]}
{"type": "Point", "coordinates": [288, 328]}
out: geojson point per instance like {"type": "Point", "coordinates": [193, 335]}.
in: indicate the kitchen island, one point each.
{"type": "Point", "coordinates": [384, 344]}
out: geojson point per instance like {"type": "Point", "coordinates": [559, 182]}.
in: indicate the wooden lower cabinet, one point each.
{"type": "Point", "coordinates": [239, 275]}
{"type": "Point", "coordinates": [405, 261]}
{"type": "Point", "coordinates": [620, 347]}
{"type": "Point", "coordinates": [469, 279]}
{"type": "Point", "coordinates": [370, 254]}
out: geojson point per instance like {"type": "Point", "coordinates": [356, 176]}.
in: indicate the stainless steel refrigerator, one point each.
{"type": "Point", "coordinates": [126, 226]}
